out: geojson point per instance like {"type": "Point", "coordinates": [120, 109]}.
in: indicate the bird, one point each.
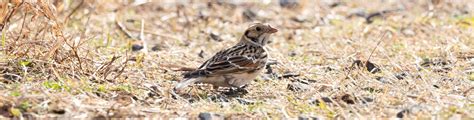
{"type": "Point", "coordinates": [234, 67]}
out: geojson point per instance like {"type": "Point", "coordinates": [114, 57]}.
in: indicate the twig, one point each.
{"type": "Point", "coordinates": [119, 24]}
{"type": "Point", "coordinates": [123, 29]}
{"type": "Point", "coordinates": [56, 29]}
{"type": "Point", "coordinates": [468, 90]}
{"type": "Point", "coordinates": [188, 23]}
{"type": "Point", "coordinates": [73, 11]}
{"type": "Point", "coordinates": [7, 17]}
{"type": "Point", "coordinates": [22, 26]}
{"type": "Point", "coordinates": [370, 56]}
{"type": "Point", "coordinates": [142, 37]}
{"type": "Point", "coordinates": [378, 43]}
{"type": "Point", "coordinates": [106, 67]}
{"type": "Point", "coordinates": [123, 68]}
{"type": "Point", "coordinates": [74, 49]}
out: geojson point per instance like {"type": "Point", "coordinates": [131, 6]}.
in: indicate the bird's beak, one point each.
{"type": "Point", "coordinates": [272, 30]}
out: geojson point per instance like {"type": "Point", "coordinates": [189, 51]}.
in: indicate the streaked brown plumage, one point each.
{"type": "Point", "coordinates": [235, 66]}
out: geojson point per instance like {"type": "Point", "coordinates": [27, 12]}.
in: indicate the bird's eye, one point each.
{"type": "Point", "coordinates": [258, 28]}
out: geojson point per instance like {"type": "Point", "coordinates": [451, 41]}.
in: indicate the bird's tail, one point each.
{"type": "Point", "coordinates": [185, 83]}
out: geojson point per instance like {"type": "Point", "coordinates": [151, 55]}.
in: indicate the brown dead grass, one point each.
{"type": "Point", "coordinates": [74, 59]}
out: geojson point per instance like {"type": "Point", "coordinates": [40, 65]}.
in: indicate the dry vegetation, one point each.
{"type": "Point", "coordinates": [334, 59]}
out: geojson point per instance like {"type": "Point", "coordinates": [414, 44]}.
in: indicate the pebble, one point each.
{"type": "Point", "coordinates": [137, 47]}
{"type": "Point", "coordinates": [210, 116]}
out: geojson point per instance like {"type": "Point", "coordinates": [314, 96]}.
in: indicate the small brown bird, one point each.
{"type": "Point", "coordinates": [236, 66]}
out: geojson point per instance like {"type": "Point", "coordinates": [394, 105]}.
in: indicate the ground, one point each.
{"type": "Point", "coordinates": [330, 59]}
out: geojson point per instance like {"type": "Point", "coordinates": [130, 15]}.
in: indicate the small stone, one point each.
{"type": "Point", "coordinates": [203, 15]}
{"type": "Point", "coordinates": [408, 32]}
{"type": "Point", "coordinates": [289, 3]}
{"type": "Point", "coordinates": [210, 116]}
{"type": "Point", "coordinates": [402, 113]}
{"type": "Point", "coordinates": [366, 100]}
{"type": "Point", "coordinates": [349, 99]}
{"type": "Point", "coordinates": [326, 99]}
{"type": "Point", "coordinates": [357, 13]}
{"type": "Point", "coordinates": [299, 19]}
{"type": "Point", "coordinates": [292, 54]}
{"type": "Point", "coordinates": [136, 47]}
{"type": "Point", "coordinates": [58, 111]}
{"type": "Point", "coordinates": [371, 67]}
{"type": "Point", "coordinates": [215, 37]}
{"type": "Point", "coordinates": [335, 4]}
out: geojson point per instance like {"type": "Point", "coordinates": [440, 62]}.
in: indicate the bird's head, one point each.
{"type": "Point", "coordinates": [258, 34]}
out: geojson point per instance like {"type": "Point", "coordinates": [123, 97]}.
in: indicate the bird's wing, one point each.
{"type": "Point", "coordinates": [233, 64]}
{"type": "Point", "coordinates": [219, 65]}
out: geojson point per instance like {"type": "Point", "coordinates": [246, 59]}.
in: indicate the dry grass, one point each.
{"type": "Point", "coordinates": [74, 58]}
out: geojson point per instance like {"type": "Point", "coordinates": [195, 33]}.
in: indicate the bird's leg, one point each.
{"type": "Point", "coordinates": [242, 89]}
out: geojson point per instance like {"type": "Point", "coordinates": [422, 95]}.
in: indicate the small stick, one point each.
{"type": "Point", "coordinates": [142, 37]}
{"type": "Point", "coordinates": [22, 26]}
{"type": "Point", "coordinates": [123, 68]}
{"type": "Point", "coordinates": [7, 17]}
{"type": "Point", "coordinates": [123, 29]}
{"type": "Point", "coordinates": [378, 43]}
{"type": "Point", "coordinates": [73, 11]}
